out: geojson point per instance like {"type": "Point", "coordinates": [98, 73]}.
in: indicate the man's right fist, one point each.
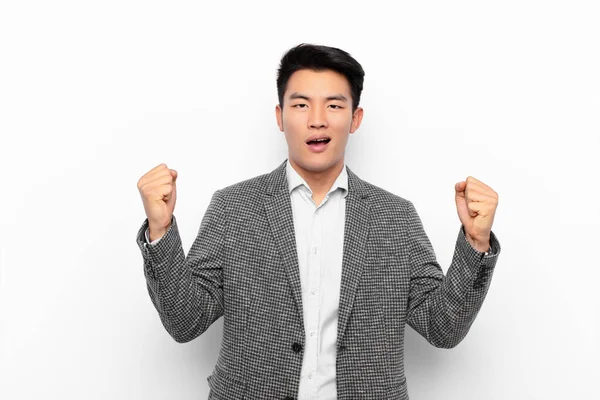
{"type": "Point", "coordinates": [159, 193]}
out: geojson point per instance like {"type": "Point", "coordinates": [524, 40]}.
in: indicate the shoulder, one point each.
{"type": "Point", "coordinates": [247, 194]}
{"type": "Point", "coordinates": [247, 187]}
{"type": "Point", "coordinates": [384, 200]}
{"type": "Point", "coordinates": [389, 210]}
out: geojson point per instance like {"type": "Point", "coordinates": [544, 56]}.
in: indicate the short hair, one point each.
{"type": "Point", "coordinates": [320, 58]}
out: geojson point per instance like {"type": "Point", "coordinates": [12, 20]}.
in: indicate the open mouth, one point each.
{"type": "Point", "coordinates": [318, 145]}
{"type": "Point", "coordinates": [319, 141]}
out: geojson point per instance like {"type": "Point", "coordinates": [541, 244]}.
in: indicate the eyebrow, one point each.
{"type": "Point", "coordinates": [339, 97]}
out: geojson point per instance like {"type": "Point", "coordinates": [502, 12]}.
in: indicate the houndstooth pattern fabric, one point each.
{"type": "Point", "coordinates": [243, 265]}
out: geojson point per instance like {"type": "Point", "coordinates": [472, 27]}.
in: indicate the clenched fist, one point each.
{"type": "Point", "coordinates": [476, 204]}
{"type": "Point", "coordinates": [159, 193]}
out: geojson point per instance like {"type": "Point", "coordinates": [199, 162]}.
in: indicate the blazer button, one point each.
{"type": "Point", "coordinates": [296, 347]}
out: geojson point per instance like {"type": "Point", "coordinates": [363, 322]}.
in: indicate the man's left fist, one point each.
{"type": "Point", "coordinates": [476, 205]}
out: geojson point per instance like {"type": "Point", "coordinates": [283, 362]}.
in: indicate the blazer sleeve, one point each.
{"type": "Point", "coordinates": [187, 291]}
{"type": "Point", "coordinates": [442, 308]}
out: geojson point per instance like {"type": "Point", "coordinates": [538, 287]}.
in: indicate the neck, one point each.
{"type": "Point", "coordinates": [319, 181]}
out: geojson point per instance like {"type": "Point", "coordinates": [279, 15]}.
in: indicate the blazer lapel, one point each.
{"type": "Point", "coordinates": [278, 208]}
{"type": "Point", "coordinates": [356, 229]}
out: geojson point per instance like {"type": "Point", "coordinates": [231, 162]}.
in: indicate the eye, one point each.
{"type": "Point", "coordinates": [301, 105]}
{"type": "Point", "coordinates": [335, 106]}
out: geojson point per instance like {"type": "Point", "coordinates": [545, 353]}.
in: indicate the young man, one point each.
{"type": "Point", "coordinates": [315, 270]}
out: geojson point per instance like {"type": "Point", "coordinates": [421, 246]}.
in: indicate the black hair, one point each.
{"type": "Point", "coordinates": [320, 58]}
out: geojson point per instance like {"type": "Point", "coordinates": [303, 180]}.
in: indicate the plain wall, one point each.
{"type": "Point", "coordinates": [95, 94]}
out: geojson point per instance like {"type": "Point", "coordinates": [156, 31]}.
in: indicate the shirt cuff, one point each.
{"type": "Point", "coordinates": [147, 233]}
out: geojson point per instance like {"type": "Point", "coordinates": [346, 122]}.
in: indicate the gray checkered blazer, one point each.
{"type": "Point", "coordinates": [243, 265]}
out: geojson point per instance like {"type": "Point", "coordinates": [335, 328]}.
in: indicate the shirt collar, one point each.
{"type": "Point", "coordinates": [294, 180]}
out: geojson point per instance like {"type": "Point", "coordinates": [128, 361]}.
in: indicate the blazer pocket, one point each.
{"type": "Point", "coordinates": [375, 262]}
{"type": "Point", "coordinates": [397, 392]}
{"type": "Point", "coordinates": [225, 387]}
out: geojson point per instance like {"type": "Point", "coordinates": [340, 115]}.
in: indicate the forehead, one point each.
{"type": "Point", "coordinates": [318, 83]}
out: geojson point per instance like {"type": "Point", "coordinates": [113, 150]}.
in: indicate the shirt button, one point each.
{"type": "Point", "coordinates": [297, 347]}
{"type": "Point", "coordinates": [309, 376]}
{"type": "Point", "coordinates": [315, 250]}
{"type": "Point", "coordinates": [313, 291]}
{"type": "Point", "coordinates": [312, 334]}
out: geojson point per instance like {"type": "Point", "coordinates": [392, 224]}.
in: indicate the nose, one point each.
{"type": "Point", "coordinates": [317, 118]}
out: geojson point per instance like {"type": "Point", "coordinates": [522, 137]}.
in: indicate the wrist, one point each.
{"type": "Point", "coordinates": [481, 245]}
{"type": "Point", "coordinates": [156, 233]}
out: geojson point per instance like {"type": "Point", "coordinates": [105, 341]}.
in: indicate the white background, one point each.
{"type": "Point", "coordinates": [94, 94]}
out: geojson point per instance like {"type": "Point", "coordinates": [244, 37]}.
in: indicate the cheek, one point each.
{"type": "Point", "coordinates": [342, 123]}
{"type": "Point", "coordinates": [293, 123]}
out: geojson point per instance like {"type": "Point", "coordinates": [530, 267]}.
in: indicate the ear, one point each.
{"type": "Point", "coordinates": [279, 116]}
{"type": "Point", "coordinates": [356, 119]}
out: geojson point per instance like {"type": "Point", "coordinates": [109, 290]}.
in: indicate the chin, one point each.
{"type": "Point", "coordinates": [317, 164]}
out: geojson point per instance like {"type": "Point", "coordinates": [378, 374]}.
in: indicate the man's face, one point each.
{"type": "Point", "coordinates": [317, 104]}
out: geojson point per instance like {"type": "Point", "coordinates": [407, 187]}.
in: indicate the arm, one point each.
{"type": "Point", "coordinates": [442, 308]}
{"type": "Point", "coordinates": [187, 291]}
